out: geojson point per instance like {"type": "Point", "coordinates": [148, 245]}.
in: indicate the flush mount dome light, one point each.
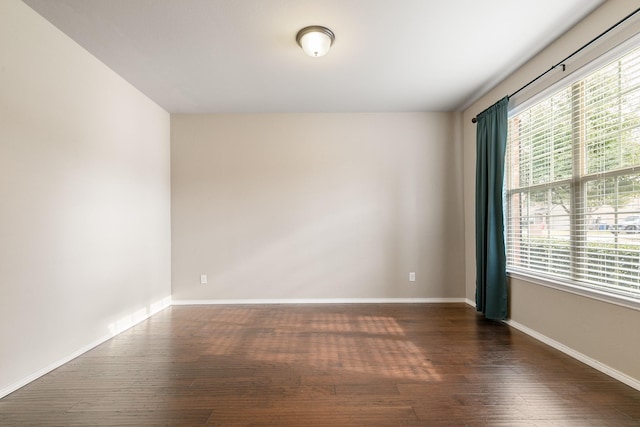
{"type": "Point", "coordinates": [315, 40]}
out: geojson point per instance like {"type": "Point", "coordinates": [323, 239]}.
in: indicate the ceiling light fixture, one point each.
{"type": "Point", "coordinates": [315, 40]}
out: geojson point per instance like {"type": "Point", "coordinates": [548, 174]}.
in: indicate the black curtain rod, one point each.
{"type": "Point", "coordinates": [561, 63]}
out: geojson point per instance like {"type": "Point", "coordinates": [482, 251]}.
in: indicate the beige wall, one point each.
{"type": "Point", "coordinates": [604, 332]}
{"type": "Point", "coordinates": [296, 206]}
{"type": "Point", "coordinates": [599, 330]}
{"type": "Point", "coordinates": [85, 196]}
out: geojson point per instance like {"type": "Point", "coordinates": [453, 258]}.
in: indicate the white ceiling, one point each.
{"type": "Point", "coordinates": [209, 56]}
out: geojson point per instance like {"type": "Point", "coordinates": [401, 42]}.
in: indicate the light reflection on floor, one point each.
{"type": "Point", "coordinates": [330, 340]}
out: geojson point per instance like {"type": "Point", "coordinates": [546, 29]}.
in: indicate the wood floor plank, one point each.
{"type": "Point", "coordinates": [323, 365]}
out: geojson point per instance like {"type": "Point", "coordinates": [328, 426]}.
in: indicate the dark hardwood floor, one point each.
{"type": "Point", "coordinates": [323, 365]}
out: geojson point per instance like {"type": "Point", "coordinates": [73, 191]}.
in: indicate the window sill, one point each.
{"type": "Point", "coordinates": [575, 289]}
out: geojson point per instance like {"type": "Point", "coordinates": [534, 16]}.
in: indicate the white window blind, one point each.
{"type": "Point", "coordinates": [573, 182]}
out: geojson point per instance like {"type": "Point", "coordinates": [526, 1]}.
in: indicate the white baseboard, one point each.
{"type": "Point", "coordinates": [624, 378]}
{"type": "Point", "coordinates": [471, 303]}
{"type": "Point", "coordinates": [166, 302]}
{"type": "Point", "coordinates": [321, 301]}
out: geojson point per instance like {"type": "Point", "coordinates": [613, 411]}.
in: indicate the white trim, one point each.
{"type": "Point", "coordinates": [321, 301]}
{"type": "Point", "coordinates": [15, 386]}
{"type": "Point", "coordinates": [471, 303]}
{"type": "Point", "coordinates": [580, 290]}
{"type": "Point", "coordinates": [622, 377]}
{"type": "Point", "coordinates": [166, 302]}
{"type": "Point", "coordinates": [595, 57]}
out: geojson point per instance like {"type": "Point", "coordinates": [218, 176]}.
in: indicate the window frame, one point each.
{"type": "Point", "coordinates": [575, 287]}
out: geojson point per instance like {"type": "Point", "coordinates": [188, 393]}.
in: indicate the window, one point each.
{"type": "Point", "coordinates": [573, 183]}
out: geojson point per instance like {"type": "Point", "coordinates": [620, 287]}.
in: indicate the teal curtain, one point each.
{"type": "Point", "coordinates": [491, 275]}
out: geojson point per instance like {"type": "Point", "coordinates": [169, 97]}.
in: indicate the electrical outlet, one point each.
{"type": "Point", "coordinates": [412, 276]}
{"type": "Point", "coordinates": [203, 279]}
